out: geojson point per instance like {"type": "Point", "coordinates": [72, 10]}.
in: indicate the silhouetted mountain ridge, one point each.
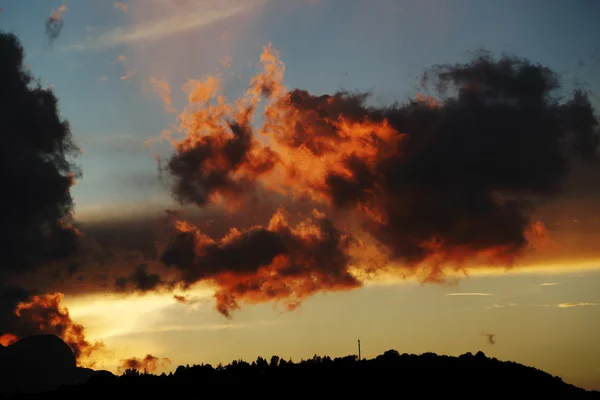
{"type": "Point", "coordinates": [392, 373]}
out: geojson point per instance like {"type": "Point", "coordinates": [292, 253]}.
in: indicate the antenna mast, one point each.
{"type": "Point", "coordinates": [359, 350]}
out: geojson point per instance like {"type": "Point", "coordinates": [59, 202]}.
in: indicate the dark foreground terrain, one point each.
{"type": "Point", "coordinates": [388, 375]}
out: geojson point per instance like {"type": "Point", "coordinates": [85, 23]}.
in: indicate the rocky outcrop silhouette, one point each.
{"type": "Point", "coordinates": [39, 363]}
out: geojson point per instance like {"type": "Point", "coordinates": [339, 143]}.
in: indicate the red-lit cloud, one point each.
{"type": "Point", "coordinates": [437, 183]}
{"type": "Point", "coordinates": [44, 314]}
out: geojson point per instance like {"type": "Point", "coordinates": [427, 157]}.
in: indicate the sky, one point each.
{"type": "Point", "coordinates": [107, 66]}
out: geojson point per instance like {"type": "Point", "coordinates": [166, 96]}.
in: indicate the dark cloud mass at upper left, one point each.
{"type": "Point", "coordinates": [36, 169]}
{"type": "Point", "coordinates": [36, 174]}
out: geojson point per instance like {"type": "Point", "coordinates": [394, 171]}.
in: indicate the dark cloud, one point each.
{"type": "Point", "coordinates": [55, 23]}
{"type": "Point", "coordinates": [136, 233]}
{"type": "Point", "coordinates": [457, 183]}
{"type": "Point", "coordinates": [490, 337]}
{"type": "Point", "coordinates": [437, 182]}
{"type": "Point", "coordinates": [141, 280]}
{"type": "Point", "coordinates": [35, 170]}
{"type": "Point", "coordinates": [180, 299]}
{"type": "Point", "coordinates": [275, 262]}
{"type": "Point", "coordinates": [149, 363]}
{"type": "Point", "coordinates": [189, 300]}
{"type": "Point", "coordinates": [204, 167]}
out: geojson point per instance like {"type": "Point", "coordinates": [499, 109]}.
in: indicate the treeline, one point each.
{"type": "Point", "coordinates": [390, 374]}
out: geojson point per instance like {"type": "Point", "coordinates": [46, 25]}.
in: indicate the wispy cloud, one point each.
{"type": "Point", "coordinates": [468, 294]}
{"type": "Point", "coordinates": [226, 62]}
{"type": "Point", "coordinates": [128, 72]}
{"type": "Point", "coordinates": [184, 328]}
{"type": "Point", "coordinates": [548, 284]}
{"type": "Point", "coordinates": [496, 306]}
{"type": "Point", "coordinates": [178, 20]}
{"type": "Point", "coordinates": [490, 337]}
{"type": "Point", "coordinates": [579, 304]}
{"type": "Point", "coordinates": [164, 91]}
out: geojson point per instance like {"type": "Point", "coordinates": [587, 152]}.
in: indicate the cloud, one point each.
{"type": "Point", "coordinates": [336, 192]}
{"type": "Point", "coordinates": [548, 284]}
{"type": "Point", "coordinates": [128, 71]}
{"type": "Point", "coordinates": [140, 279]}
{"type": "Point", "coordinates": [44, 314]}
{"type": "Point", "coordinates": [184, 328]}
{"type": "Point", "coordinates": [36, 170]}
{"type": "Point", "coordinates": [264, 263]}
{"type": "Point", "coordinates": [172, 20]}
{"type": "Point", "coordinates": [189, 300]}
{"type": "Point", "coordinates": [164, 91]}
{"type": "Point", "coordinates": [579, 304]}
{"type": "Point", "coordinates": [496, 306]}
{"type": "Point", "coordinates": [468, 294]}
{"type": "Point", "coordinates": [180, 299]}
{"type": "Point", "coordinates": [55, 23]}
{"type": "Point", "coordinates": [498, 126]}
{"type": "Point", "coordinates": [149, 363]}
{"type": "Point", "coordinates": [490, 337]}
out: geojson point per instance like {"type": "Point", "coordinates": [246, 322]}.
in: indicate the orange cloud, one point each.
{"type": "Point", "coordinates": [8, 339]}
{"type": "Point", "coordinates": [129, 72]}
{"type": "Point", "coordinates": [57, 13]}
{"type": "Point", "coordinates": [277, 262]}
{"type": "Point", "coordinates": [415, 188]}
{"type": "Point", "coordinates": [164, 91]}
{"type": "Point", "coordinates": [44, 314]}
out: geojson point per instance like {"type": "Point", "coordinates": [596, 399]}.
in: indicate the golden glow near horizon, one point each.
{"type": "Point", "coordinates": [520, 308]}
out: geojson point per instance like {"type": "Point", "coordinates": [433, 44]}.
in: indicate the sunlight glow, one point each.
{"type": "Point", "coordinates": [103, 313]}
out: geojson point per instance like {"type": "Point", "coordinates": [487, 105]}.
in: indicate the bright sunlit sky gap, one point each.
{"type": "Point", "coordinates": [377, 45]}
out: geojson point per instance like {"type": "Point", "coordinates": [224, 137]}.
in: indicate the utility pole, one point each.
{"type": "Point", "coordinates": [359, 350]}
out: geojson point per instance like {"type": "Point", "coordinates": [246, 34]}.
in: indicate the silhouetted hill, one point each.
{"type": "Point", "coordinates": [388, 375]}
{"type": "Point", "coordinates": [39, 363]}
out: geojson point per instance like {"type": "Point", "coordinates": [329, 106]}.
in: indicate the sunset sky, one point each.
{"type": "Point", "coordinates": [107, 67]}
